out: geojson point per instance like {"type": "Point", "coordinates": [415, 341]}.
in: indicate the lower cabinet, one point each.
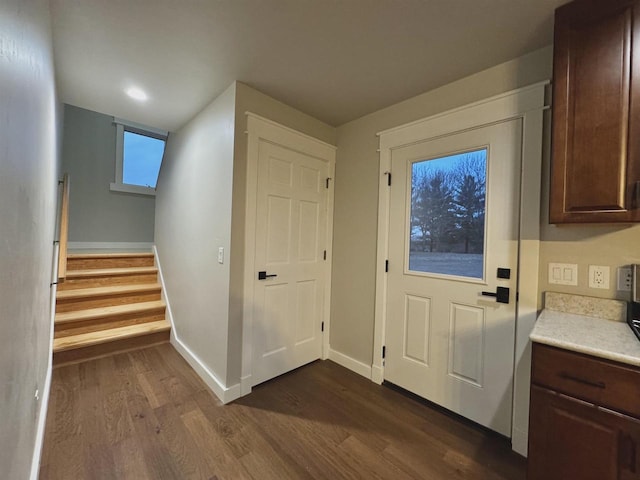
{"type": "Point", "coordinates": [572, 439]}
{"type": "Point", "coordinates": [574, 431]}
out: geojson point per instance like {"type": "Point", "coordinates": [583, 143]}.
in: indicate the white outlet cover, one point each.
{"type": "Point", "coordinates": [599, 276]}
{"type": "Point", "coordinates": [624, 279]}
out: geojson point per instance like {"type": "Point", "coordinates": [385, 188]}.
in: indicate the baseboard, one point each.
{"type": "Point", "coordinates": [350, 363]}
{"type": "Point", "coordinates": [42, 423]}
{"type": "Point", "coordinates": [225, 394]}
{"type": "Point", "coordinates": [137, 246]}
{"type": "Point", "coordinates": [520, 442]}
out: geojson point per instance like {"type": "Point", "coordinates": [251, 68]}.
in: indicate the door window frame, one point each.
{"type": "Point", "coordinates": [528, 104]}
{"type": "Point", "coordinates": [133, 127]}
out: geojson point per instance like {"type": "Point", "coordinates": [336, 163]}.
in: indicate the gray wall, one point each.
{"type": "Point", "coordinates": [28, 196]}
{"type": "Point", "coordinates": [193, 219]}
{"type": "Point", "coordinates": [97, 214]}
{"type": "Point", "coordinates": [356, 194]}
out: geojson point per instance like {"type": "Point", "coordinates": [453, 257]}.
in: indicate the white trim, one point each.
{"type": "Point", "coordinates": [121, 126]}
{"type": "Point", "coordinates": [351, 363]}
{"type": "Point", "coordinates": [528, 104]}
{"type": "Point", "coordinates": [245, 385]}
{"type": "Point", "coordinates": [128, 188]}
{"type": "Point", "coordinates": [225, 394]}
{"type": "Point", "coordinates": [110, 246]}
{"type": "Point", "coordinates": [290, 130]}
{"type": "Point", "coordinates": [140, 127]}
{"type": "Point", "coordinates": [501, 96]}
{"type": "Point", "coordinates": [377, 374]}
{"type": "Point", "coordinates": [260, 128]}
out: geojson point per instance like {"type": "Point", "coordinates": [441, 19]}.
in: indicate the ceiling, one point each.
{"type": "Point", "coordinates": [336, 60]}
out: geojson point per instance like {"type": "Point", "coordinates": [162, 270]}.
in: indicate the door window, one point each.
{"type": "Point", "coordinates": [447, 215]}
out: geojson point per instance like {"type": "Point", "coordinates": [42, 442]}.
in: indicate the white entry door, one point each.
{"type": "Point", "coordinates": [291, 225]}
{"type": "Point", "coordinates": [453, 234]}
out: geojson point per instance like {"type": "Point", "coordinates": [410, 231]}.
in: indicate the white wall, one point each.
{"type": "Point", "coordinates": [28, 194]}
{"type": "Point", "coordinates": [97, 214]}
{"type": "Point", "coordinates": [193, 219]}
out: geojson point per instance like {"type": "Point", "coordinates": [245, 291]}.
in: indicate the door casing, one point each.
{"type": "Point", "coordinates": [528, 104]}
{"type": "Point", "coordinates": [261, 129]}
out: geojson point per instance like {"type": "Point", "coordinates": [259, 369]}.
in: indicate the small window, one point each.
{"type": "Point", "coordinates": [139, 152]}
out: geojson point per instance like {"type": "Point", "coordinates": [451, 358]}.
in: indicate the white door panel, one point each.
{"type": "Point", "coordinates": [448, 234]}
{"type": "Point", "coordinates": [291, 219]}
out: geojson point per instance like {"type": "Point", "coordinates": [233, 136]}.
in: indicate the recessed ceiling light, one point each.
{"type": "Point", "coordinates": [136, 94]}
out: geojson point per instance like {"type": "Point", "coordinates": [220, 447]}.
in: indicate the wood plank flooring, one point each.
{"type": "Point", "coordinates": [145, 414]}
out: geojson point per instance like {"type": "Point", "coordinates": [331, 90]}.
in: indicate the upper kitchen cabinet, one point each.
{"type": "Point", "coordinates": [595, 171]}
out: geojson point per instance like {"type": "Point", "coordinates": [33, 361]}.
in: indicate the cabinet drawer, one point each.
{"type": "Point", "coordinates": [608, 384]}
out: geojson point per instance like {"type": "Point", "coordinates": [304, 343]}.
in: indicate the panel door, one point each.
{"type": "Point", "coordinates": [454, 216]}
{"type": "Point", "coordinates": [290, 242]}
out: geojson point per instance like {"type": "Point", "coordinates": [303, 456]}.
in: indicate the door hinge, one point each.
{"type": "Point", "coordinates": [324, 256]}
{"type": "Point", "coordinates": [327, 182]}
{"type": "Point", "coordinates": [322, 327]}
{"type": "Point", "coordinates": [386, 266]}
{"type": "Point", "coordinates": [384, 351]}
{"type": "Point", "coordinates": [517, 296]}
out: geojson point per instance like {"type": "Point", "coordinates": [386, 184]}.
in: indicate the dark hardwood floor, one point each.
{"type": "Point", "coordinates": [145, 414]}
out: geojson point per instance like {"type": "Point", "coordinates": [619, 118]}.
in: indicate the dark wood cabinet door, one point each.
{"type": "Point", "coordinates": [571, 439]}
{"type": "Point", "coordinates": [596, 103]}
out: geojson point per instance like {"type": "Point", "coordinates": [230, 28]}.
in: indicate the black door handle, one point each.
{"type": "Point", "coordinates": [501, 294]}
{"type": "Point", "coordinates": [264, 276]}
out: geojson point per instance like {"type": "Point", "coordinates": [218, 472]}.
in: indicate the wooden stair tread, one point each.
{"type": "Point", "coordinates": [104, 272]}
{"type": "Point", "coordinates": [102, 312]}
{"type": "Point", "coordinates": [104, 336]}
{"type": "Point", "coordinates": [110, 290]}
{"type": "Point", "coordinates": [110, 255]}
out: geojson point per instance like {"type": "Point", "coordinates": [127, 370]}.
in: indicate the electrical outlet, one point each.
{"type": "Point", "coordinates": [599, 276]}
{"type": "Point", "coordinates": [625, 278]}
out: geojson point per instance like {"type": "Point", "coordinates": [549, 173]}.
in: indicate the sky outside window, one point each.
{"type": "Point", "coordinates": [142, 159]}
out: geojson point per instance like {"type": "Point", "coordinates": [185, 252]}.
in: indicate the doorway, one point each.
{"type": "Point", "coordinates": [453, 243]}
{"type": "Point", "coordinates": [288, 238]}
{"type": "Point", "coordinates": [408, 264]}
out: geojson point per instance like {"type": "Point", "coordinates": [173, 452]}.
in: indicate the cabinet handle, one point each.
{"type": "Point", "coordinates": [627, 455]}
{"type": "Point", "coordinates": [573, 378]}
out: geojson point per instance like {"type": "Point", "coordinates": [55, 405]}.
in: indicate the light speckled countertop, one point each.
{"type": "Point", "coordinates": [608, 339]}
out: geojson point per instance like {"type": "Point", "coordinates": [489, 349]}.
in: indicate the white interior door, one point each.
{"type": "Point", "coordinates": [291, 223]}
{"type": "Point", "coordinates": [453, 223]}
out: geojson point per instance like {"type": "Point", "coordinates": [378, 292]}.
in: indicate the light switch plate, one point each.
{"type": "Point", "coordinates": [220, 254]}
{"type": "Point", "coordinates": [563, 273]}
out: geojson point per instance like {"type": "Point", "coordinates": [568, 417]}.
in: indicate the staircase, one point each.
{"type": "Point", "coordinates": [108, 303]}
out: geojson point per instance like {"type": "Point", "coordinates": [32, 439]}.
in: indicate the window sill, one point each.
{"type": "Point", "coordinates": [136, 189]}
